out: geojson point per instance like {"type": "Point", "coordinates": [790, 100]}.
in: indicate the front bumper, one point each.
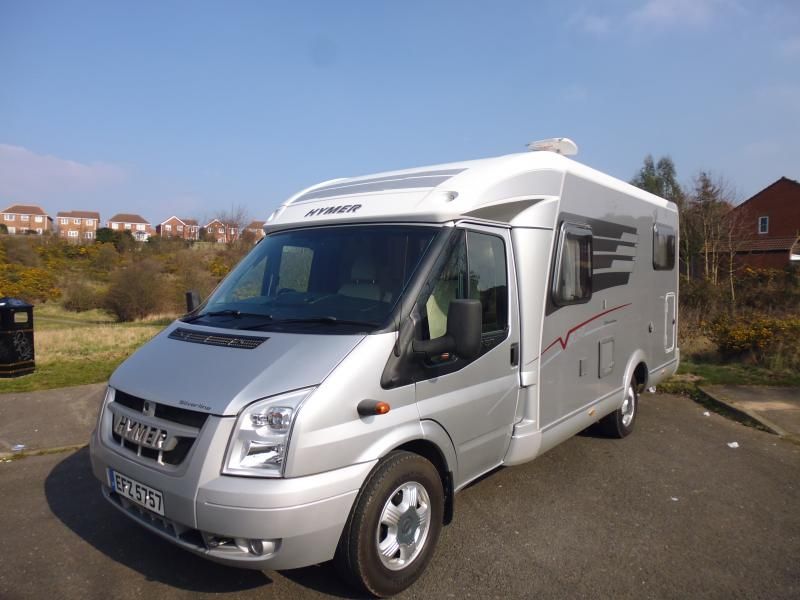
{"type": "Point", "coordinates": [300, 520]}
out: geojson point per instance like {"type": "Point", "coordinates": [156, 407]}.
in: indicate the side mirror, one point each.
{"type": "Point", "coordinates": [192, 301]}
{"type": "Point", "coordinates": [463, 337]}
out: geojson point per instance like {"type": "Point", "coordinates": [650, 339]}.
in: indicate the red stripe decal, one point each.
{"type": "Point", "coordinates": [564, 342]}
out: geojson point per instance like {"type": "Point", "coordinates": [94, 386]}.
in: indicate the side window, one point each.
{"type": "Point", "coordinates": [486, 256]}
{"type": "Point", "coordinates": [295, 269]}
{"type": "Point", "coordinates": [663, 247]}
{"type": "Point", "coordinates": [476, 269]}
{"type": "Point", "coordinates": [450, 285]}
{"type": "Point", "coordinates": [251, 283]}
{"type": "Point", "coordinates": [572, 281]}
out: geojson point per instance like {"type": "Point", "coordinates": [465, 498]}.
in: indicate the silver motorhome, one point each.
{"type": "Point", "coordinates": [391, 339]}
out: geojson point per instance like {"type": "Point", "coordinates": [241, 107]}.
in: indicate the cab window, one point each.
{"type": "Point", "coordinates": [572, 281]}
{"type": "Point", "coordinates": [476, 268]}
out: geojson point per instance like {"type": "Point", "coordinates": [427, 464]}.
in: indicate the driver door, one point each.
{"type": "Point", "coordinates": [475, 401]}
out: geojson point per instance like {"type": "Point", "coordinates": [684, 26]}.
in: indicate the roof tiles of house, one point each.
{"type": "Point", "coordinates": [767, 244]}
{"type": "Point", "coordinates": [127, 218]}
{"type": "Point", "coordinates": [25, 209]}
{"type": "Point", "coordinates": [79, 214]}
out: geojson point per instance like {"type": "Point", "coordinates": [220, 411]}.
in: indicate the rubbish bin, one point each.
{"type": "Point", "coordinates": [16, 337]}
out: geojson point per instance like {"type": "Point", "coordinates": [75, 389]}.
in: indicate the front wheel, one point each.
{"type": "Point", "coordinates": [392, 531]}
{"type": "Point", "coordinates": [620, 423]}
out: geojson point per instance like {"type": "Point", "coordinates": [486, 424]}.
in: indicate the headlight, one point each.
{"type": "Point", "coordinates": [108, 398]}
{"type": "Point", "coordinates": [261, 436]}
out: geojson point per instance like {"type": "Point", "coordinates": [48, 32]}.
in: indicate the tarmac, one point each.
{"type": "Point", "coordinates": [61, 419]}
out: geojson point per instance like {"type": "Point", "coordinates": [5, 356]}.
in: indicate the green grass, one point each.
{"type": "Point", "coordinates": [733, 374]}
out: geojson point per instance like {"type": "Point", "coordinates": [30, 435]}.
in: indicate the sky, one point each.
{"type": "Point", "coordinates": [197, 108]}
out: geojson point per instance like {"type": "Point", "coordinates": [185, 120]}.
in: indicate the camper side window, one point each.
{"type": "Point", "coordinates": [573, 280]}
{"type": "Point", "coordinates": [663, 247]}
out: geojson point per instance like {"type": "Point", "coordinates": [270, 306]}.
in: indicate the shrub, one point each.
{"type": "Point", "coordinates": [765, 340]}
{"type": "Point", "coordinates": [136, 291]}
{"type": "Point", "coordinates": [80, 295]}
{"type": "Point", "coordinates": [29, 283]}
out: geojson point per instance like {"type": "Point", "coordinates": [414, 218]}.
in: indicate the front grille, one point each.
{"type": "Point", "coordinates": [246, 342]}
{"type": "Point", "coordinates": [182, 424]}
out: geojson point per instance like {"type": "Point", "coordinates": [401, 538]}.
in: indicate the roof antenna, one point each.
{"type": "Point", "coordinates": [560, 145]}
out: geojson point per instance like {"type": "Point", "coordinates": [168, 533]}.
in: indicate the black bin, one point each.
{"type": "Point", "coordinates": [16, 337]}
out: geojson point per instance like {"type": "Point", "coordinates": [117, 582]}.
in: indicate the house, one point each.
{"type": "Point", "coordinates": [256, 229]}
{"type": "Point", "coordinates": [175, 227]}
{"type": "Point", "coordinates": [222, 233]}
{"type": "Point", "coordinates": [769, 227]}
{"type": "Point", "coordinates": [26, 218]}
{"type": "Point", "coordinates": [138, 226]}
{"type": "Point", "coordinates": [78, 225]}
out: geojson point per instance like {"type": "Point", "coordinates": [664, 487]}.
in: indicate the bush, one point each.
{"type": "Point", "coordinates": [29, 283]}
{"type": "Point", "coordinates": [80, 295]}
{"type": "Point", "coordinates": [769, 341]}
{"type": "Point", "coordinates": [136, 291]}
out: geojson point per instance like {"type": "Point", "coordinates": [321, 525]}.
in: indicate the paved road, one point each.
{"type": "Point", "coordinates": [670, 512]}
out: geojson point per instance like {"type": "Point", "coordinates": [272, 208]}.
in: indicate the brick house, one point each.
{"type": "Point", "coordinates": [770, 226]}
{"type": "Point", "coordinates": [138, 226]}
{"type": "Point", "coordinates": [78, 225]}
{"type": "Point", "coordinates": [222, 233]}
{"type": "Point", "coordinates": [256, 229]}
{"type": "Point", "coordinates": [187, 229]}
{"type": "Point", "coordinates": [26, 218]}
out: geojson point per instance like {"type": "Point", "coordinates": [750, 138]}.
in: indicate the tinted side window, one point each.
{"type": "Point", "coordinates": [450, 285]}
{"type": "Point", "coordinates": [572, 281]}
{"type": "Point", "coordinates": [663, 247]}
{"type": "Point", "coordinates": [486, 256]}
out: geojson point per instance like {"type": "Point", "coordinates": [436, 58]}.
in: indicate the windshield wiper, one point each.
{"type": "Point", "coordinates": [326, 319]}
{"type": "Point", "coordinates": [228, 312]}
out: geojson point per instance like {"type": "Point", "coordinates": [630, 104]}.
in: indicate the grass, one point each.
{"type": "Point", "coordinates": [79, 348]}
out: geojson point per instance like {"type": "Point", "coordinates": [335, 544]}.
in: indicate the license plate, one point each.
{"type": "Point", "coordinates": [134, 491]}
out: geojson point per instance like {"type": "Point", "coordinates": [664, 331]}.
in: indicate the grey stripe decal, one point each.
{"type": "Point", "coordinates": [424, 179]}
{"type": "Point", "coordinates": [604, 261]}
{"type": "Point", "coordinates": [603, 281]}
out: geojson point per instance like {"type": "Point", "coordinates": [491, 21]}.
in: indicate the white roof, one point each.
{"type": "Point", "coordinates": [444, 192]}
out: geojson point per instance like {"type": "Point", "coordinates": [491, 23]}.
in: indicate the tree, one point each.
{"type": "Point", "coordinates": [661, 179]}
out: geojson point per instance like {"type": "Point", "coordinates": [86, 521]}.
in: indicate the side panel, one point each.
{"type": "Point", "coordinates": [586, 346]}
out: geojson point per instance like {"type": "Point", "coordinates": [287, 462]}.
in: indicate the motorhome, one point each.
{"type": "Point", "coordinates": [391, 339]}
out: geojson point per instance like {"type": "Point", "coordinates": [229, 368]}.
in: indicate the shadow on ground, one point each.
{"type": "Point", "coordinates": [74, 497]}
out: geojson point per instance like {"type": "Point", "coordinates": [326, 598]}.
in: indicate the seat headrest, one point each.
{"type": "Point", "coordinates": [363, 269]}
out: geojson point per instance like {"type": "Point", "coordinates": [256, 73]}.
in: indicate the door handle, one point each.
{"type": "Point", "coordinates": [514, 354]}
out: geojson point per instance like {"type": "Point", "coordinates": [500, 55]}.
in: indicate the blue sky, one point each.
{"type": "Point", "coordinates": [196, 107]}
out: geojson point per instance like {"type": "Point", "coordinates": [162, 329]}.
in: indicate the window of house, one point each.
{"type": "Point", "coordinates": [180, 227]}
{"type": "Point", "coordinates": [113, 226]}
{"type": "Point", "coordinates": [127, 225]}
{"type": "Point", "coordinates": [476, 269]}
{"type": "Point", "coordinates": [140, 227]}
{"type": "Point", "coordinates": [572, 280]}
{"type": "Point", "coordinates": [12, 230]}
{"type": "Point", "coordinates": [63, 221]}
{"type": "Point", "coordinates": [39, 230]}
{"type": "Point", "coordinates": [24, 218]}
{"type": "Point", "coordinates": [663, 247]}
{"type": "Point", "coordinates": [8, 217]}
{"type": "Point", "coordinates": [90, 222]}
{"type": "Point", "coordinates": [72, 233]}
{"type": "Point", "coordinates": [763, 224]}
{"type": "Point", "coordinates": [89, 235]}
{"type": "Point", "coordinates": [221, 230]}
{"type": "Point", "coordinates": [38, 219]}
{"type": "Point", "coordinates": [76, 221]}
{"type": "Point", "coordinates": [167, 227]}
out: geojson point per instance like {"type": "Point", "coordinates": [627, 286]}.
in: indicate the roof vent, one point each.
{"type": "Point", "coordinates": [560, 145]}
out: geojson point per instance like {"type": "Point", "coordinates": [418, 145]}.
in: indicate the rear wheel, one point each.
{"type": "Point", "coordinates": [392, 531]}
{"type": "Point", "coordinates": [620, 423]}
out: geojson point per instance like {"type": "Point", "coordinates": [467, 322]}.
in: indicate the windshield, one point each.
{"type": "Point", "coordinates": [348, 276]}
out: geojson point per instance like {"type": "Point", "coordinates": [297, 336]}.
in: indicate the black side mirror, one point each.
{"type": "Point", "coordinates": [192, 301]}
{"type": "Point", "coordinates": [463, 337]}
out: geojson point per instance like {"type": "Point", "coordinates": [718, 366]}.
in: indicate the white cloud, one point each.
{"type": "Point", "coordinates": [668, 13]}
{"type": "Point", "coordinates": [27, 176]}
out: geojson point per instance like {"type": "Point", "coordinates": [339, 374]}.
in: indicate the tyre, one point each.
{"type": "Point", "coordinates": [620, 422]}
{"type": "Point", "coordinates": [393, 528]}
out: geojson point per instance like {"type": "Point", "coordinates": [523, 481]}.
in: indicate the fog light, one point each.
{"type": "Point", "coordinates": [261, 547]}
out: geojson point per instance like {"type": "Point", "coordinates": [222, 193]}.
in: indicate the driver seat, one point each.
{"type": "Point", "coordinates": [362, 280]}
